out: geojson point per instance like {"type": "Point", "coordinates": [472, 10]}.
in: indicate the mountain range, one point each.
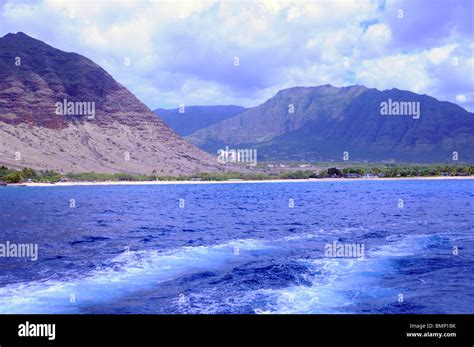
{"type": "Point", "coordinates": [322, 123]}
{"type": "Point", "coordinates": [186, 120]}
{"type": "Point", "coordinates": [45, 94]}
{"type": "Point", "coordinates": [122, 134]}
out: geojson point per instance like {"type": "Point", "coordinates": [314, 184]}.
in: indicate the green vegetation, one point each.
{"type": "Point", "coordinates": [94, 176]}
{"type": "Point", "coordinates": [17, 176]}
{"type": "Point", "coordinates": [382, 170]}
{"type": "Point", "coordinates": [13, 177]}
{"type": "Point", "coordinates": [402, 170]}
{"type": "Point", "coordinates": [333, 172]}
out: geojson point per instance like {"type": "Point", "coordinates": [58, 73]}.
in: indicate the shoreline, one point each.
{"type": "Point", "coordinates": [110, 183]}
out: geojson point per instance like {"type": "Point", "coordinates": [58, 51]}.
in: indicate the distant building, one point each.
{"type": "Point", "coordinates": [3, 183]}
{"type": "Point", "coordinates": [370, 175]}
{"type": "Point", "coordinates": [351, 175]}
{"type": "Point", "coordinates": [445, 174]}
{"type": "Point", "coordinates": [463, 174]}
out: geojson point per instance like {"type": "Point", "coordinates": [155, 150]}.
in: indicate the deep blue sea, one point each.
{"type": "Point", "coordinates": [240, 248]}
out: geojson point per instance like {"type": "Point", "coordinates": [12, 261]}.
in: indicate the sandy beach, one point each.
{"type": "Point", "coordinates": [106, 183]}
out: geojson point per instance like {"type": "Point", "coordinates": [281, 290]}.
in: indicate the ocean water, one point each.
{"type": "Point", "coordinates": [241, 248]}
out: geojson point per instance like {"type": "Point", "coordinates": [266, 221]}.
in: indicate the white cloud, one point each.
{"type": "Point", "coordinates": [375, 40]}
{"type": "Point", "coordinates": [402, 71]}
{"type": "Point", "coordinates": [439, 55]}
{"type": "Point", "coordinates": [182, 51]}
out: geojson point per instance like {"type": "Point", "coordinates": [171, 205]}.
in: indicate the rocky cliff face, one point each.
{"type": "Point", "coordinates": [122, 134]}
{"type": "Point", "coordinates": [288, 110]}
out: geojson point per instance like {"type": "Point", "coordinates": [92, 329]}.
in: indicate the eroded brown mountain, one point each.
{"type": "Point", "coordinates": [122, 136]}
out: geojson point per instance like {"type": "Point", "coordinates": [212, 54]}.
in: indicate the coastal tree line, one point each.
{"type": "Point", "coordinates": [10, 175]}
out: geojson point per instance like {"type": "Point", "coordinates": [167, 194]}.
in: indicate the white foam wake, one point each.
{"type": "Point", "coordinates": [126, 273]}
{"type": "Point", "coordinates": [342, 283]}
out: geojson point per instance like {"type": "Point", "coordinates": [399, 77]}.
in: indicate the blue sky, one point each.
{"type": "Point", "coordinates": [183, 52]}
